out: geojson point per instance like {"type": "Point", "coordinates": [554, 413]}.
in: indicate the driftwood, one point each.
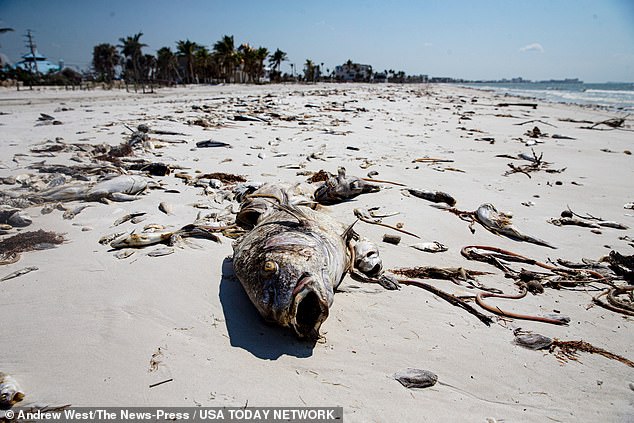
{"type": "Point", "coordinates": [533, 105]}
{"type": "Point", "coordinates": [535, 120]}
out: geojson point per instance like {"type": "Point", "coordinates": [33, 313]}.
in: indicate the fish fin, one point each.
{"type": "Point", "coordinates": [285, 205]}
{"type": "Point", "coordinates": [349, 233]}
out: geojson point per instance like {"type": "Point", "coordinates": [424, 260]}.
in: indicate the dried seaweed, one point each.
{"type": "Point", "coordinates": [568, 350]}
{"type": "Point", "coordinates": [321, 176]}
{"type": "Point", "coordinates": [30, 241]}
{"type": "Point", "coordinates": [226, 178]}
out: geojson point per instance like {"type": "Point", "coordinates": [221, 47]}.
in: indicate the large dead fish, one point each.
{"type": "Point", "coordinates": [290, 263]}
{"type": "Point", "coordinates": [498, 223]}
{"type": "Point", "coordinates": [341, 188]}
{"type": "Point", "coordinates": [119, 188]}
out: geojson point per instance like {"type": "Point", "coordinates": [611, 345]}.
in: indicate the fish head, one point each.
{"type": "Point", "coordinates": [295, 284]}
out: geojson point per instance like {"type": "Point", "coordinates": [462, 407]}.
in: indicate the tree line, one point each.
{"type": "Point", "coordinates": [190, 63]}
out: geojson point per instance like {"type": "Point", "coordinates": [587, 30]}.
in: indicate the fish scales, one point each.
{"type": "Point", "coordinates": [290, 266]}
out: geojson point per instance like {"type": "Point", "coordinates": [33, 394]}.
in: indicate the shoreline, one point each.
{"type": "Point", "coordinates": [94, 325]}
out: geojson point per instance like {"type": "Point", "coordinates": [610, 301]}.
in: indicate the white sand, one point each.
{"type": "Point", "coordinates": [82, 329]}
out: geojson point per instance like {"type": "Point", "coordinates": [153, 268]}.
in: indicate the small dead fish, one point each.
{"type": "Point", "coordinates": [500, 224]}
{"type": "Point", "coordinates": [210, 143]}
{"type": "Point", "coordinates": [71, 213]}
{"type": "Point", "coordinates": [19, 273]}
{"type": "Point", "coordinates": [433, 196]}
{"type": "Point", "coordinates": [161, 251]}
{"type": "Point", "coordinates": [416, 378]}
{"type": "Point", "coordinates": [10, 391]}
{"type": "Point", "coordinates": [138, 219]}
{"type": "Point", "coordinates": [341, 188]}
{"type": "Point", "coordinates": [127, 217]}
{"type": "Point", "coordinates": [166, 208]}
{"type": "Point", "coordinates": [144, 239]}
{"type": "Point", "coordinates": [430, 247]}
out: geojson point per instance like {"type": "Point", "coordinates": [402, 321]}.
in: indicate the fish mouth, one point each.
{"type": "Point", "coordinates": [309, 311]}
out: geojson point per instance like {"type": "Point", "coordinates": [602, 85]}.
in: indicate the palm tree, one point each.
{"type": "Point", "coordinates": [276, 60]}
{"type": "Point", "coordinates": [227, 56]}
{"type": "Point", "coordinates": [203, 63]}
{"type": "Point", "coordinates": [260, 56]}
{"type": "Point", "coordinates": [131, 48]}
{"type": "Point", "coordinates": [104, 60]}
{"type": "Point", "coordinates": [166, 65]}
{"type": "Point", "coordinates": [309, 70]}
{"type": "Point", "coordinates": [187, 50]}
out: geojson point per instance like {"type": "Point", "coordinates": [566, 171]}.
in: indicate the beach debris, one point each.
{"type": "Point", "coordinates": [568, 217]}
{"type": "Point", "coordinates": [161, 251]}
{"type": "Point", "coordinates": [248, 118]}
{"type": "Point", "coordinates": [140, 240]}
{"type": "Point", "coordinates": [155, 360]}
{"type": "Point", "coordinates": [341, 188]}
{"type": "Point", "coordinates": [225, 178]}
{"type": "Point", "coordinates": [555, 319]}
{"type": "Point", "coordinates": [10, 391]}
{"type": "Point", "coordinates": [391, 239]}
{"type": "Point", "coordinates": [454, 274]}
{"type": "Point", "coordinates": [614, 123]}
{"type": "Point", "coordinates": [161, 382]}
{"type": "Point", "coordinates": [450, 298]}
{"type": "Point", "coordinates": [20, 272]}
{"type": "Point", "coordinates": [533, 121]}
{"type": "Point", "coordinates": [431, 160]}
{"type": "Point", "coordinates": [365, 216]}
{"type": "Point", "coordinates": [416, 378]}
{"type": "Point", "coordinates": [532, 105]}
{"type": "Point", "coordinates": [569, 350]}
{"type": "Point", "coordinates": [211, 143]}
{"type": "Point", "coordinates": [629, 206]}
{"type": "Point", "coordinates": [12, 247]}
{"type": "Point", "coordinates": [535, 133]}
{"type": "Point", "coordinates": [125, 253]}
{"type": "Point", "coordinates": [14, 217]}
{"type": "Point", "coordinates": [430, 247]}
{"type": "Point", "coordinates": [291, 262]}
{"type": "Point", "coordinates": [536, 164]}
{"type": "Point", "coordinates": [166, 208]}
{"type": "Point", "coordinates": [621, 265]}
{"type": "Point", "coordinates": [532, 341]}
{"type": "Point", "coordinates": [433, 196]}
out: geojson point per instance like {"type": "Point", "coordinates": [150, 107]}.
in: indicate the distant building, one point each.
{"type": "Point", "coordinates": [38, 63]}
{"type": "Point", "coordinates": [353, 72]}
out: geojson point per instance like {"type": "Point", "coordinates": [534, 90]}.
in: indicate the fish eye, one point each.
{"type": "Point", "coordinates": [269, 266]}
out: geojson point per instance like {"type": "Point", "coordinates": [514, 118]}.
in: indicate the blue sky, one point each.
{"type": "Point", "coordinates": [473, 39]}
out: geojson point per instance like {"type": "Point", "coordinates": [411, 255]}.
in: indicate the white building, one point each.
{"type": "Point", "coordinates": [353, 72]}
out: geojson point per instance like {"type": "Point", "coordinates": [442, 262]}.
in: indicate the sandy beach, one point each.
{"type": "Point", "coordinates": [90, 329]}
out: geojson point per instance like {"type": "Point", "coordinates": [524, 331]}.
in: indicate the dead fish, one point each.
{"type": "Point", "coordinates": [135, 240]}
{"type": "Point", "coordinates": [433, 196]}
{"type": "Point", "coordinates": [127, 217]}
{"type": "Point", "coordinates": [341, 188]}
{"type": "Point", "coordinates": [210, 143]}
{"type": "Point", "coordinates": [430, 247]}
{"type": "Point", "coordinates": [14, 217]}
{"type": "Point", "coordinates": [367, 259]}
{"type": "Point", "coordinates": [290, 263]}
{"type": "Point", "coordinates": [137, 219]}
{"type": "Point", "coordinates": [71, 213]}
{"type": "Point", "coordinates": [19, 273]}
{"type": "Point", "coordinates": [166, 208]}
{"type": "Point", "coordinates": [10, 391]}
{"type": "Point", "coordinates": [500, 224]}
{"type": "Point", "coordinates": [416, 378]}
{"type": "Point", "coordinates": [256, 205]}
{"type": "Point", "coordinates": [124, 184]}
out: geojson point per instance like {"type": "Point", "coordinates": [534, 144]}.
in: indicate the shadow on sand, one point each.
{"type": "Point", "coordinates": [246, 327]}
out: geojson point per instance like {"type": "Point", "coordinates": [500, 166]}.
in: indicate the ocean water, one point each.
{"type": "Point", "coordinates": [616, 96]}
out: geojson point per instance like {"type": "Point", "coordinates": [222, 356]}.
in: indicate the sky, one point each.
{"type": "Point", "coordinates": [592, 40]}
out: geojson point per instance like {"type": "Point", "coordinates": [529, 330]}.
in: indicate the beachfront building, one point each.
{"type": "Point", "coordinates": [36, 62]}
{"type": "Point", "coordinates": [353, 72]}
